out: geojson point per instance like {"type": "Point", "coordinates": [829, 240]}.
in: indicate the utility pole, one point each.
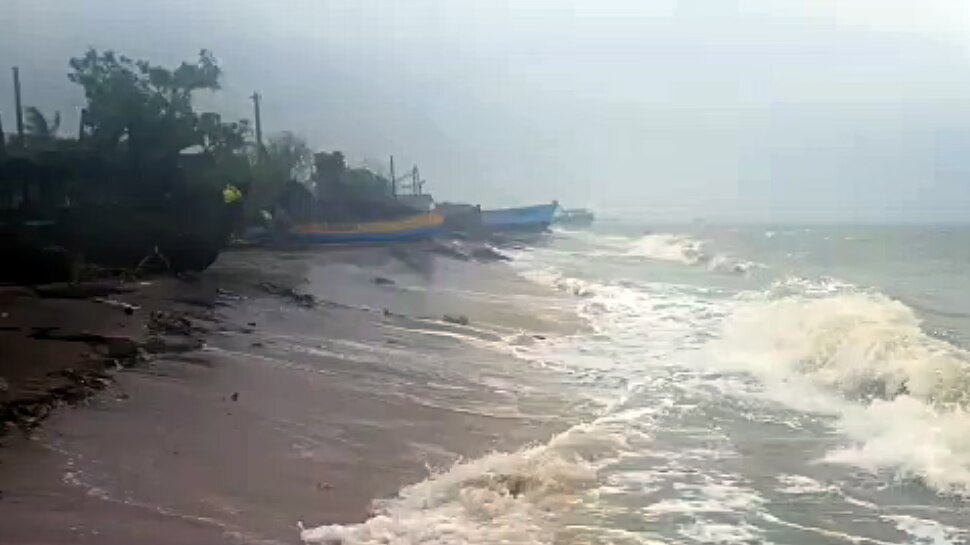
{"type": "Point", "coordinates": [19, 107]}
{"type": "Point", "coordinates": [259, 125]}
{"type": "Point", "coordinates": [3, 141]}
{"type": "Point", "coordinates": [393, 179]}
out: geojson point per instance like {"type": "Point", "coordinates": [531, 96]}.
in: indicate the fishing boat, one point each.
{"type": "Point", "coordinates": [575, 217]}
{"type": "Point", "coordinates": [526, 218]}
{"type": "Point", "coordinates": [417, 227]}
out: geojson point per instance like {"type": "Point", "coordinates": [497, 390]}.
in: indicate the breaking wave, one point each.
{"type": "Point", "coordinates": [900, 395]}
{"type": "Point", "coordinates": [864, 346]}
{"type": "Point", "coordinates": [670, 247]}
{"type": "Point", "coordinates": [688, 251]}
{"type": "Point", "coordinates": [500, 498]}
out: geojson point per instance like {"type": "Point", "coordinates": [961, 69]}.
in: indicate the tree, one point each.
{"type": "Point", "coordinates": [147, 111]}
{"type": "Point", "coordinates": [290, 155]}
{"type": "Point", "coordinates": [220, 138]}
{"type": "Point", "coordinates": [328, 172]}
{"type": "Point", "coordinates": [287, 159]}
{"type": "Point", "coordinates": [38, 127]}
{"type": "Point", "coordinates": [146, 107]}
{"type": "Point", "coordinates": [364, 182]}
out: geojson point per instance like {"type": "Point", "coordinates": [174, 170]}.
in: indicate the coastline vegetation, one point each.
{"type": "Point", "coordinates": [143, 159]}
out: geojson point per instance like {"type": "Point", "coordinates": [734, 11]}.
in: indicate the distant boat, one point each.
{"type": "Point", "coordinates": [417, 227]}
{"type": "Point", "coordinates": [526, 218]}
{"type": "Point", "coordinates": [575, 217]}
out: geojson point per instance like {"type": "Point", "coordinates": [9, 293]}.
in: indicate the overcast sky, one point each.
{"type": "Point", "coordinates": [757, 110]}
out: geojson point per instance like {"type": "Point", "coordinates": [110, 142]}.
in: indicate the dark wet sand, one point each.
{"type": "Point", "coordinates": [290, 413]}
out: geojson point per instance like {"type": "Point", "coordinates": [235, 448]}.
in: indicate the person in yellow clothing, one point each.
{"type": "Point", "coordinates": [231, 194]}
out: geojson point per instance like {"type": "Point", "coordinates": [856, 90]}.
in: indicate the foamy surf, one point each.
{"type": "Point", "coordinates": [685, 250]}
{"type": "Point", "coordinates": [519, 497]}
{"type": "Point", "coordinates": [716, 415]}
{"type": "Point", "coordinates": [900, 395]}
{"type": "Point", "coordinates": [669, 247]}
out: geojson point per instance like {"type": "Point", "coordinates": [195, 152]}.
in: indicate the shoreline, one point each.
{"type": "Point", "coordinates": [272, 397]}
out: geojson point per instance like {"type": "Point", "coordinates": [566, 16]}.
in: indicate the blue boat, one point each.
{"type": "Point", "coordinates": [526, 218]}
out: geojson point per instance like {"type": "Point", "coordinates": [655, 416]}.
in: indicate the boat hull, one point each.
{"type": "Point", "coordinates": [419, 227]}
{"type": "Point", "coordinates": [524, 219]}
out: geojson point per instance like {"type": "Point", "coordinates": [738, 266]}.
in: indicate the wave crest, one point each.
{"type": "Point", "coordinates": [669, 247]}
{"type": "Point", "coordinates": [902, 397]}
{"type": "Point", "coordinates": [500, 498]}
{"type": "Point", "coordinates": [688, 251]}
{"type": "Point", "coordinates": [862, 345]}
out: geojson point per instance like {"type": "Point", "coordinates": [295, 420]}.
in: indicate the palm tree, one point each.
{"type": "Point", "coordinates": [39, 128]}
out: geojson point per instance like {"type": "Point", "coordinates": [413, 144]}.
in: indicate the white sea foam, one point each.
{"type": "Point", "coordinates": [688, 250]}
{"type": "Point", "coordinates": [800, 484]}
{"type": "Point", "coordinates": [900, 395]}
{"type": "Point", "coordinates": [928, 532]}
{"type": "Point", "coordinates": [517, 497]}
{"type": "Point", "coordinates": [669, 247]}
{"type": "Point", "coordinates": [523, 497]}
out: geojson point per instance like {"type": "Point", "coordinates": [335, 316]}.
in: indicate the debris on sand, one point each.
{"type": "Point", "coordinates": [304, 300]}
{"type": "Point", "coordinates": [165, 344]}
{"type": "Point", "coordinates": [170, 323]}
{"type": "Point", "coordinates": [128, 308]}
{"type": "Point", "coordinates": [457, 319]}
{"type": "Point", "coordinates": [121, 348]}
{"type": "Point", "coordinates": [70, 387]}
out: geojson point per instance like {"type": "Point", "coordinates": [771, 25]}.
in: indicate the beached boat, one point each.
{"type": "Point", "coordinates": [417, 227]}
{"type": "Point", "coordinates": [575, 217]}
{"type": "Point", "coordinates": [526, 218]}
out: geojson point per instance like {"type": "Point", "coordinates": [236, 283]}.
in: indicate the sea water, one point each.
{"type": "Point", "coordinates": [789, 385]}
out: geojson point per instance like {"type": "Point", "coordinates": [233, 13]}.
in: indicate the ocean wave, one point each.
{"type": "Point", "coordinates": [499, 498]}
{"type": "Point", "coordinates": [863, 345]}
{"type": "Point", "coordinates": [687, 250]}
{"type": "Point", "coordinates": [669, 247]}
{"type": "Point", "coordinates": [901, 395]}
{"type": "Point", "coordinates": [724, 263]}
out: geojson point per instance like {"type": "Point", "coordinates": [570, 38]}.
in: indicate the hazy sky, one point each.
{"type": "Point", "coordinates": [759, 110]}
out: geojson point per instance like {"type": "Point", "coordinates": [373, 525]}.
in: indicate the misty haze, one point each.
{"type": "Point", "coordinates": [455, 272]}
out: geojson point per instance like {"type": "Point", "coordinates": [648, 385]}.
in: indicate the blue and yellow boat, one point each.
{"type": "Point", "coordinates": [417, 227]}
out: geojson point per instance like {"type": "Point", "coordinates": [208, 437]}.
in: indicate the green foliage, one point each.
{"type": "Point", "coordinates": [286, 158]}
{"type": "Point", "coordinates": [328, 171]}
{"type": "Point", "coordinates": [222, 138]}
{"type": "Point", "coordinates": [333, 179]}
{"type": "Point", "coordinates": [148, 109]}
{"type": "Point", "coordinates": [364, 182]}
{"type": "Point", "coordinates": [290, 156]}
{"type": "Point", "coordinates": [38, 127]}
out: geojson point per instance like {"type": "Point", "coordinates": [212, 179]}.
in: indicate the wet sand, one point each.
{"type": "Point", "coordinates": [292, 411]}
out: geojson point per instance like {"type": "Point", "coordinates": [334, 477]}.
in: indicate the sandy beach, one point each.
{"type": "Point", "coordinates": [323, 380]}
